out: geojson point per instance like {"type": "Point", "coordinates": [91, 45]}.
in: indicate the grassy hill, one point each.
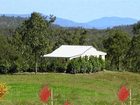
{"type": "Point", "coordinates": [80, 89]}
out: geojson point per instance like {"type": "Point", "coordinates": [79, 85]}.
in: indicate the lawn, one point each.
{"type": "Point", "coordinates": [80, 89]}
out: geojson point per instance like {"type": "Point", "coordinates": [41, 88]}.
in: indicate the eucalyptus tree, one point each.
{"type": "Point", "coordinates": [116, 45]}
{"type": "Point", "coordinates": [34, 35]}
{"type": "Point", "coordinates": [133, 54]}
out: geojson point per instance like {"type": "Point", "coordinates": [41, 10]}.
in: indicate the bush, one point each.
{"type": "Point", "coordinates": [73, 66]}
{"type": "Point", "coordinates": [89, 67]}
{"type": "Point", "coordinates": [85, 65]}
{"type": "Point", "coordinates": [13, 69]}
{"type": "Point", "coordinates": [97, 64]}
{"type": "Point", "coordinates": [58, 65]}
{"type": "Point", "coordinates": [3, 70]}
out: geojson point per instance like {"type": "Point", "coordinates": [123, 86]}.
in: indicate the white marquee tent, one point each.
{"type": "Point", "coordinates": [74, 51]}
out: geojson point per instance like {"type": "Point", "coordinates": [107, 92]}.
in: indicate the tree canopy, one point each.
{"type": "Point", "coordinates": [116, 45]}
{"type": "Point", "coordinates": [24, 40]}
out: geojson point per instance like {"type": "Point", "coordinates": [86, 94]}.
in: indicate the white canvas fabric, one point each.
{"type": "Point", "coordinates": [74, 51]}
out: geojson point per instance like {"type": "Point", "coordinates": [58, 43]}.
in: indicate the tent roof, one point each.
{"type": "Point", "coordinates": [68, 51]}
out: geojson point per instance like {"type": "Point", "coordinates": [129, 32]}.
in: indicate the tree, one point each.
{"type": "Point", "coordinates": [34, 32]}
{"type": "Point", "coordinates": [83, 38]}
{"type": "Point", "coordinates": [8, 55]}
{"type": "Point", "coordinates": [116, 45]}
{"type": "Point", "coordinates": [133, 54]}
{"type": "Point", "coordinates": [136, 28]}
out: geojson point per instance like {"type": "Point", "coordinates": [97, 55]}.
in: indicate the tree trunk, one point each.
{"type": "Point", "coordinates": [36, 65]}
{"type": "Point", "coordinates": [118, 63]}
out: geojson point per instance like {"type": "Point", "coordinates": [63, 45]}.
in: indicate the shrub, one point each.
{"type": "Point", "coordinates": [58, 65]}
{"type": "Point", "coordinates": [3, 70]}
{"type": "Point", "coordinates": [13, 69]}
{"type": "Point", "coordinates": [89, 67]}
{"type": "Point", "coordinates": [85, 65]}
{"type": "Point", "coordinates": [73, 66]}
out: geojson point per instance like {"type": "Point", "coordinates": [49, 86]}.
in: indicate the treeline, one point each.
{"type": "Point", "coordinates": [21, 47]}
{"type": "Point", "coordinates": [77, 65]}
{"type": "Point", "coordinates": [122, 51]}
{"type": "Point", "coordinates": [10, 22]}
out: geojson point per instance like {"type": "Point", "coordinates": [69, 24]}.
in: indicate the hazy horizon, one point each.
{"type": "Point", "coordinates": [76, 10]}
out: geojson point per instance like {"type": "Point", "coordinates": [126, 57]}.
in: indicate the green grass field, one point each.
{"type": "Point", "coordinates": [80, 89]}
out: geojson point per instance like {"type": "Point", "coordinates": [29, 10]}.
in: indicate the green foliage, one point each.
{"type": "Point", "coordinates": [57, 65]}
{"type": "Point", "coordinates": [133, 54]}
{"type": "Point", "coordinates": [85, 65]}
{"type": "Point", "coordinates": [8, 56]}
{"type": "Point", "coordinates": [31, 39]}
{"type": "Point", "coordinates": [73, 66]}
{"type": "Point", "coordinates": [116, 45]}
{"type": "Point", "coordinates": [136, 28]}
{"type": "Point", "coordinates": [24, 40]}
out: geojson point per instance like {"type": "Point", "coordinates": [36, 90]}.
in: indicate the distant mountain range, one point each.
{"type": "Point", "coordinates": [102, 23]}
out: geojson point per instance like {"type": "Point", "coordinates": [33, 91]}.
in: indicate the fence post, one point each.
{"type": "Point", "coordinates": [51, 96]}
{"type": "Point", "coordinates": [130, 97]}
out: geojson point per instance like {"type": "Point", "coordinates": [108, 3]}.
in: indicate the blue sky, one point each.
{"type": "Point", "coordinates": [76, 10]}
